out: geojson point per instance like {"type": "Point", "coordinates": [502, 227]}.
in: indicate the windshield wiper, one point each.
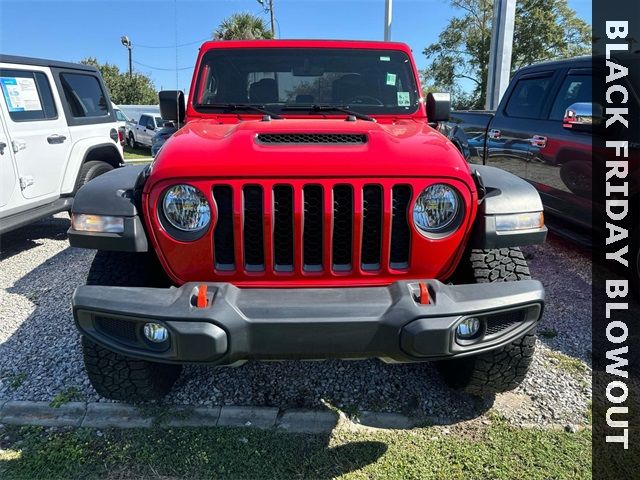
{"type": "Point", "coordinates": [240, 106]}
{"type": "Point", "coordinates": [328, 108]}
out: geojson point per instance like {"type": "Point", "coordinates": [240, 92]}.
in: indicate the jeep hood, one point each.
{"type": "Point", "coordinates": [404, 148]}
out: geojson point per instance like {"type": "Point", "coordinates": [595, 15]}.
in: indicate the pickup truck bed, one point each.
{"type": "Point", "coordinates": [525, 136]}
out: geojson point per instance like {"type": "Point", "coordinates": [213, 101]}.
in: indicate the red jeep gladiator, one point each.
{"type": "Point", "coordinates": [306, 209]}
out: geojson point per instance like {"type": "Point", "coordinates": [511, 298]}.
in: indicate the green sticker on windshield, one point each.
{"type": "Point", "coordinates": [391, 78]}
{"type": "Point", "coordinates": [403, 99]}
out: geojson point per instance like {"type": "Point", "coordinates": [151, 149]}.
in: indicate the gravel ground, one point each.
{"type": "Point", "coordinates": [40, 354]}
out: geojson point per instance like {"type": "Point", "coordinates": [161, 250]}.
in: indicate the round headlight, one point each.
{"type": "Point", "coordinates": [186, 208]}
{"type": "Point", "coordinates": [436, 209]}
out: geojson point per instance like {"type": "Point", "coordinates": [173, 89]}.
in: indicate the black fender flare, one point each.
{"type": "Point", "coordinates": [115, 193]}
{"type": "Point", "coordinates": [504, 194]}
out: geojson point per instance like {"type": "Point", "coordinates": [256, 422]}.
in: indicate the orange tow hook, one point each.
{"type": "Point", "coordinates": [424, 294]}
{"type": "Point", "coordinates": [201, 302]}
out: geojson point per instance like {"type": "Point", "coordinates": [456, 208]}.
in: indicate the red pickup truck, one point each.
{"type": "Point", "coordinates": [306, 210]}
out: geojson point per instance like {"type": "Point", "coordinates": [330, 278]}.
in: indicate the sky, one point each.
{"type": "Point", "coordinates": [74, 29]}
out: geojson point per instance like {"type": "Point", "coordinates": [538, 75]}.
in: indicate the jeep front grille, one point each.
{"type": "Point", "coordinates": [310, 227]}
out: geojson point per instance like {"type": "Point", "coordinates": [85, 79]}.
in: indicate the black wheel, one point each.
{"type": "Point", "coordinates": [113, 375]}
{"type": "Point", "coordinates": [504, 368]}
{"type": "Point", "coordinates": [89, 171]}
{"type": "Point", "coordinates": [132, 141]}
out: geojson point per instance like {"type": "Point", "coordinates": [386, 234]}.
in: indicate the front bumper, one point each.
{"type": "Point", "coordinates": [307, 323]}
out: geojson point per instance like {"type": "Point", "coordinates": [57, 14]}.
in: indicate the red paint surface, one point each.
{"type": "Point", "coordinates": [220, 149]}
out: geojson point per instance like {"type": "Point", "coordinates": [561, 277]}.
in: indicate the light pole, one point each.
{"type": "Point", "coordinates": [388, 6]}
{"type": "Point", "coordinates": [504, 12]}
{"type": "Point", "coordinates": [267, 5]}
{"type": "Point", "coordinates": [127, 43]}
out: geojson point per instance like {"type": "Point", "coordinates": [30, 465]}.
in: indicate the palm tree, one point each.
{"type": "Point", "coordinates": [242, 26]}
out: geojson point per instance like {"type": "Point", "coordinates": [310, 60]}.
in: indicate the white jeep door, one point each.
{"type": "Point", "coordinates": [37, 128]}
{"type": "Point", "coordinates": [8, 177]}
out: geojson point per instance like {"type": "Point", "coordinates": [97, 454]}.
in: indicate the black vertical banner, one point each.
{"type": "Point", "coordinates": [616, 221]}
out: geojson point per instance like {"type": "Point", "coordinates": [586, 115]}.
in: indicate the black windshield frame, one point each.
{"type": "Point", "coordinates": [388, 74]}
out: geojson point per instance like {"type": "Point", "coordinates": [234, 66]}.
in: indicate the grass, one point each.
{"type": "Point", "coordinates": [571, 365]}
{"type": "Point", "coordinates": [136, 153]}
{"type": "Point", "coordinates": [497, 452]}
{"type": "Point", "coordinates": [16, 381]}
{"type": "Point", "coordinates": [66, 396]}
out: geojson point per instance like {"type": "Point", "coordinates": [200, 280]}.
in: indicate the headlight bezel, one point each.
{"type": "Point", "coordinates": [446, 229]}
{"type": "Point", "coordinates": [179, 232]}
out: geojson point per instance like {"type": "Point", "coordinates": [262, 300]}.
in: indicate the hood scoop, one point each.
{"type": "Point", "coordinates": [311, 138]}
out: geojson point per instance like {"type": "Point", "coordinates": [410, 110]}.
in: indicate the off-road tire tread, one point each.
{"type": "Point", "coordinates": [499, 265]}
{"type": "Point", "coordinates": [491, 372]}
{"type": "Point", "coordinates": [127, 269]}
{"type": "Point", "coordinates": [113, 375]}
{"type": "Point", "coordinates": [126, 379]}
{"type": "Point", "coordinates": [504, 368]}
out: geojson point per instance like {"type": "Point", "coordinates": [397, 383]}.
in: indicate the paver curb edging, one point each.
{"type": "Point", "coordinates": [120, 415]}
{"type": "Point", "coordinates": [43, 414]}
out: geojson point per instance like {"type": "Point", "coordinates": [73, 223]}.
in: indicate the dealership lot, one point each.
{"type": "Point", "coordinates": [40, 354]}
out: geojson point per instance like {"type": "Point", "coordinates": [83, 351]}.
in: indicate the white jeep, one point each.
{"type": "Point", "coordinates": [58, 130]}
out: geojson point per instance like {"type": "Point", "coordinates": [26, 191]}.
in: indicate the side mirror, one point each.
{"type": "Point", "coordinates": [583, 117]}
{"type": "Point", "coordinates": [151, 126]}
{"type": "Point", "coordinates": [438, 107]}
{"type": "Point", "coordinates": [172, 105]}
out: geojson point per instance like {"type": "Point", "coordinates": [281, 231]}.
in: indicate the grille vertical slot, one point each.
{"type": "Point", "coordinates": [400, 231]}
{"type": "Point", "coordinates": [253, 233]}
{"type": "Point", "coordinates": [283, 228]}
{"type": "Point", "coordinates": [371, 227]}
{"type": "Point", "coordinates": [223, 240]}
{"type": "Point", "coordinates": [313, 228]}
{"type": "Point", "coordinates": [342, 227]}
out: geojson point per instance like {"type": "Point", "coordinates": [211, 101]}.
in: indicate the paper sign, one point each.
{"type": "Point", "coordinates": [385, 59]}
{"type": "Point", "coordinates": [403, 99]}
{"type": "Point", "coordinates": [391, 78]}
{"type": "Point", "coordinates": [21, 94]}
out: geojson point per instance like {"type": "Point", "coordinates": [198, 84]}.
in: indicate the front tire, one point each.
{"type": "Point", "coordinates": [117, 376]}
{"type": "Point", "coordinates": [132, 141]}
{"type": "Point", "coordinates": [89, 171]}
{"type": "Point", "coordinates": [504, 368]}
{"type": "Point", "coordinates": [126, 379]}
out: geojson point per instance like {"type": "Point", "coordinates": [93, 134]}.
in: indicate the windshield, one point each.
{"type": "Point", "coordinates": [159, 122]}
{"type": "Point", "coordinates": [121, 116]}
{"type": "Point", "coordinates": [366, 81]}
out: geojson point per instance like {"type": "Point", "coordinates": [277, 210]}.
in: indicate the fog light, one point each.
{"type": "Point", "coordinates": [468, 328]}
{"type": "Point", "coordinates": [155, 332]}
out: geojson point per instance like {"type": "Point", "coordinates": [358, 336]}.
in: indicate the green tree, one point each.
{"type": "Point", "coordinates": [242, 26]}
{"type": "Point", "coordinates": [544, 30]}
{"type": "Point", "coordinates": [137, 89]}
